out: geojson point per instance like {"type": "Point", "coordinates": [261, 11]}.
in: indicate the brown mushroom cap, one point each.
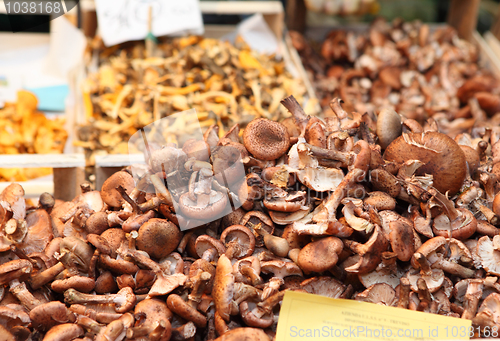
{"type": "Point", "coordinates": [47, 315]}
{"type": "Point", "coordinates": [180, 307]}
{"type": "Point", "coordinates": [380, 200]}
{"type": "Point", "coordinates": [39, 232]}
{"type": "Point", "coordinates": [489, 254]}
{"type": "Point", "coordinates": [379, 293]}
{"type": "Point", "coordinates": [217, 207]}
{"type": "Point", "coordinates": [324, 286]}
{"type": "Point", "coordinates": [388, 127]}
{"type": "Point", "coordinates": [66, 332]}
{"type": "Point", "coordinates": [240, 235]}
{"type": "Point", "coordinates": [15, 269]}
{"type": "Point", "coordinates": [320, 255]}
{"type": "Point", "coordinates": [244, 334]}
{"type": "Point", "coordinates": [200, 150]}
{"type": "Point", "coordinates": [167, 159]}
{"type": "Point", "coordinates": [265, 139]}
{"type": "Point", "coordinates": [109, 193]}
{"type": "Point", "coordinates": [223, 288]}
{"type": "Point", "coordinates": [158, 237]}
{"type": "Point", "coordinates": [442, 157]}
{"type": "Point", "coordinates": [205, 242]}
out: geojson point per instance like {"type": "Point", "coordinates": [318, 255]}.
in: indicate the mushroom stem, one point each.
{"type": "Point", "coordinates": [272, 287]}
{"type": "Point", "coordinates": [200, 284]}
{"type": "Point", "coordinates": [101, 317]}
{"type": "Point", "coordinates": [209, 254]}
{"type": "Point", "coordinates": [453, 268]}
{"type": "Point", "coordinates": [269, 303]}
{"type": "Point", "coordinates": [278, 246]}
{"type": "Point", "coordinates": [335, 105]}
{"type": "Point", "coordinates": [161, 191]}
{"type": "Point", "coordinates": [127, 198]}
{"type": "Point", "coordinates": [404, 292]}
{"type": "Point", "coordinates": [423, 263]}
{"type": "Point", "coordinates": [446, 204]}
{"type": "Point", "coordinates": [423, 294]}
{"type": "Point", "coordinates": [21, 292]}
{"type": "Point", "coordinates": [184, 332]}
{"type": "Point", "coordinates": [300, 118]}
{"type": "Point", "coordinates": [487, 212]}
{"type": "Point", "coordinates": [472, 297]}
{"type": "Point", "coordinates": [124, 300]}
{"type": "Point", "coordinates": [330, 154]}
{"type": "Point", "coordinates": [90, 324]}
{"type": "Point", "coordinates": [250, 272]}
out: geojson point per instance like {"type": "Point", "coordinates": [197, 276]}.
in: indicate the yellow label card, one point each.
{"type": "Point", "coordinates": [313, 317]}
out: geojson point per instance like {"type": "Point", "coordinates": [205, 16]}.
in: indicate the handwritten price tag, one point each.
{"type": "Point", "coordinates": [312, 317]}
{"type": "Point", "coordinates": [125, 20]}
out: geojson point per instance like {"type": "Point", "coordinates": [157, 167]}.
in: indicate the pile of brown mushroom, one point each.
{"type": "Point", "coordinates": [225, 83]}
{"type": "Point", "coordinates": [405, 217]}
{"type": "Point", "coordinates": [404, 66]}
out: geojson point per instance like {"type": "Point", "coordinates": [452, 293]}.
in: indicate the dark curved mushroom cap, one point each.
{"type": "Point", "coordinates": [265, 139]}
{"type": "Point", "coordinates": [109, 193]}
{"type": "Point", "coordinates": [158, 237]}
{"type": "Point", "coordinates": [442, 157]}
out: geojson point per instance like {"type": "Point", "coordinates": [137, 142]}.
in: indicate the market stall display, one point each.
{"type": "Point", "coordinates": [224, 83]}
{"type": "Point", "coordinates": [25, 130]}
{"type": "Point", "coordinates": [408, 67]}
{"type": "Point", "coordinates": [326, 212]}
{"type": "Point", "coordinates": [389, 196]}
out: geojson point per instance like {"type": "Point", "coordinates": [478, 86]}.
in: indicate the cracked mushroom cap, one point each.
{"type": "Point", "coordinates": [320, 255]}
{"type": "Point", "coordinates": [109, 193]}
{"type": "Point", "coordinates": [489, 253]}
{"type": "Point", "coordinates": [442, 157]}
{"type": "Point", "coordinates": [158, 237]}
{"type": "Point", "coordinates": [266, 140]}
{"type": "Point", "coordinates": [379, 293]}
{"type": "Point", "coordinates": [324, 286]}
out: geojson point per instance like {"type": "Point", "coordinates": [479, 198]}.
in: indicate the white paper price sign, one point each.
{"type": "Point", "coordinates": [125, 20]}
